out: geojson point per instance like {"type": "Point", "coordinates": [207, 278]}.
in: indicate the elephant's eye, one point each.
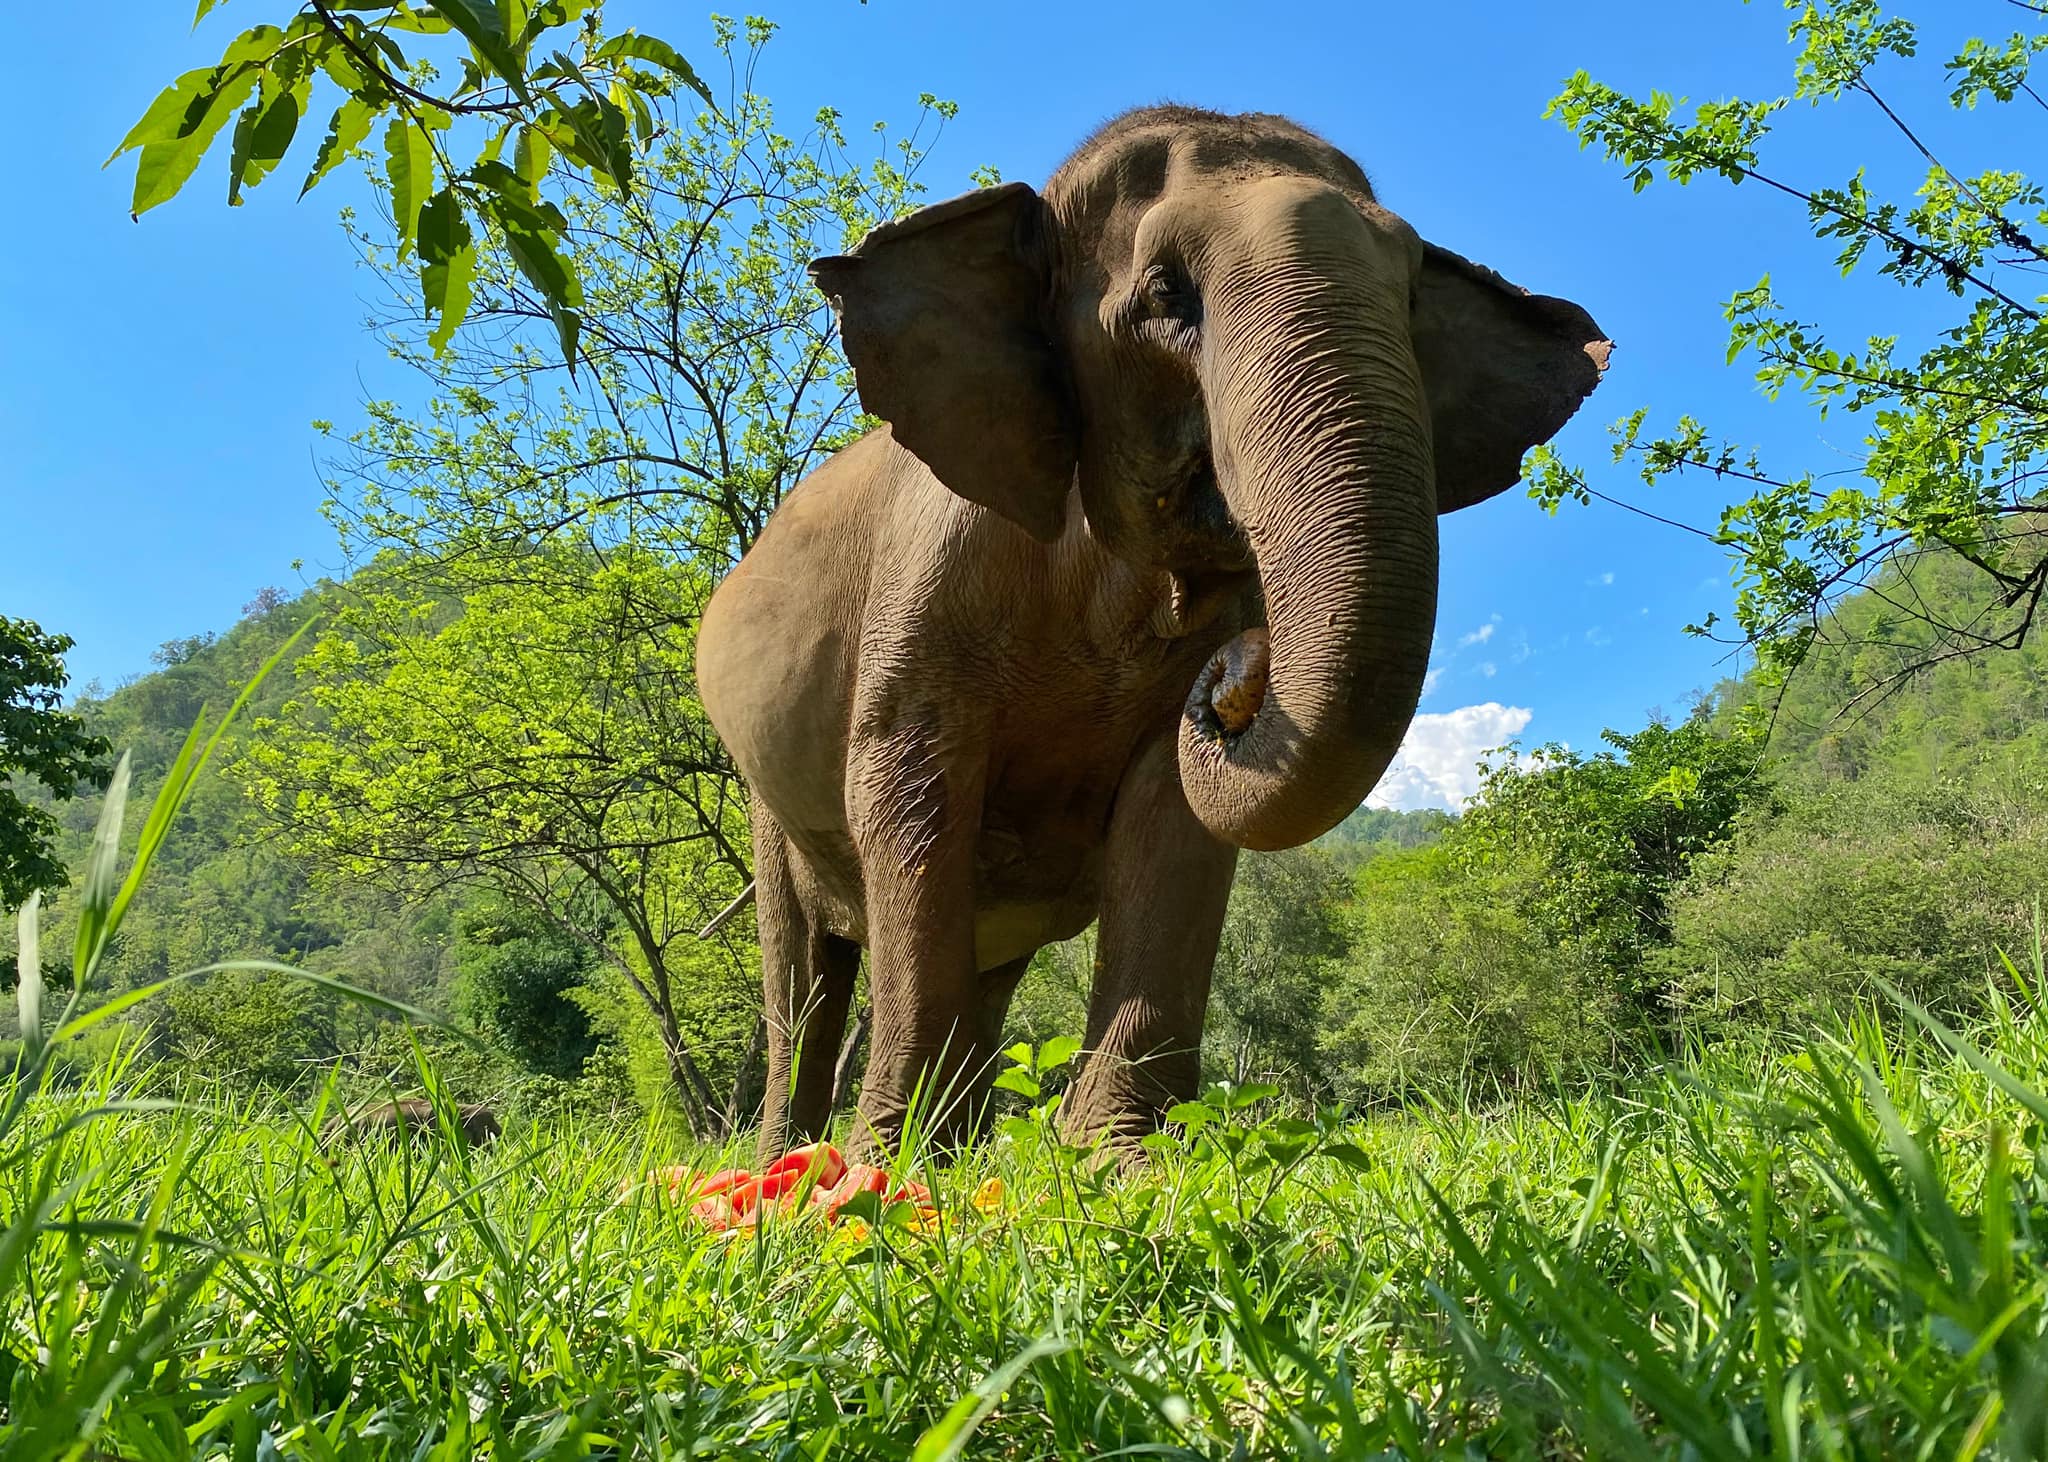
{"type": "Point", "coordinates": [1168, 294]}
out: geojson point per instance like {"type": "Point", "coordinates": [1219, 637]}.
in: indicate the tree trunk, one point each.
{"type": "Point", "coordinates": [842, 1069]}
{"type": "Point", "coordinates": [700, 1107]}
{"type": "Point", "coordinates": [748, 1083]}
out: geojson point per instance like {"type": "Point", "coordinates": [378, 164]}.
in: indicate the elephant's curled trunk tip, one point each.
{"type": "Point", "coordinates": [1231, 689]}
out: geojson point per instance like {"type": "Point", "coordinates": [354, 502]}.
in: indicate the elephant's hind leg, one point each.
{"type": "Point", "coordinates": [807, 978]}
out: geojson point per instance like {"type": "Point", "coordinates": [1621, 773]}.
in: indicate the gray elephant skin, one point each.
{"type": "Point", "coordinates": [1141, 571]}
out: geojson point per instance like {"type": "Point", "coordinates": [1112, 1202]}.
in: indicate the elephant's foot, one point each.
{"type": "Point", "coordinates": [1118, 1103]}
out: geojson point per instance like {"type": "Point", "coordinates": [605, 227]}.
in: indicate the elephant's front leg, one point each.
{"type": "Point", "coordinates": [916, 811]}
{"type": "Point", "coordinates": [1166, 883]}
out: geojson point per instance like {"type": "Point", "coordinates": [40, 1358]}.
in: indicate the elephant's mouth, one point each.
{"type": "Point", "coordinates": [1231, 689]}
{"type": "Point", "coordinates": [1229, 692]}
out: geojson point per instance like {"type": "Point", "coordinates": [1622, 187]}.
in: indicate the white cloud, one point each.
{"type": "Point", "coordinates": [1437, 763]}
{"type": "Point", "coordinates": [1431, 680]}
{"type": "Point", "coordinates": [1598, 637]}
{"type": "Point", "coordinates": [1601, 581]}
{"type": "Point", "coordinates": [1488, 669]}
{"type": "Point", "coordinates": [1479, 636]}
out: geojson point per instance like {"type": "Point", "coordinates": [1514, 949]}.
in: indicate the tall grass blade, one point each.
{"type": "Point", "coordinates": [99, 886]}
{"type": "Point", "coordinates": [29, 966]}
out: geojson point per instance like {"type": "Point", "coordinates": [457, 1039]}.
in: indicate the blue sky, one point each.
{"type": "Point", "coordinates": [161, 376]}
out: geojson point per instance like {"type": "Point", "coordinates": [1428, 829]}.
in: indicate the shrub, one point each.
{"type": "Point", "coordinates": [1447, 983]}
{"type": "Point", "coordinates": [253, 1026]}
{"type": "Point", "coordinates": [1885, 878]}
{"type": "Point", "coordinates": [1280, 934]}
{"type": "Point", "coordinates": [517, 973]}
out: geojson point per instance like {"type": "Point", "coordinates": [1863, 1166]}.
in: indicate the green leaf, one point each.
{"type": "Point", "coordinates": [655, 52]}
{"type": "Point", "coordinates": [530, 155]}
{"type": "Point", "coordinates": [1057, 1052]}
{"type": "Point", "coordinates": [262, 137]}
{"type": "Point", "coordinates": [531, 241]}
{"type": "Point", "coordinates": [409, 164]}
{"type": "Point", "coordinates": [177, 787]}
{"type": "Point", "coordinates": [258, 44]}
{"type": "Point", "coordinates": [568, 328]}
{"type": "Point", "coordinates": [1017, 1080]}
{"type": "Point", "coordinates": [544, 266]}
{"type": "Point", "coordinates": [447, 264]}
{"type": "Point", "coordinates": [166, 117]}
{"type": "Point", "coordinates": [97, 890]}
{"type": "Point", "coordinates": [1350, 1154]}
{"type": "Point", "coordinates": [345, 133]}
{"type": "Point", "coordinates": [482, 26]}
{"type": "Point", "coordinates": [169, 158]}
{"type": "Point", "coordinates": [128, 999]}
{"type": "Point", "coordinates": [1237, 1098]}
{"type": "Point", "coordinates": [946, 1439]}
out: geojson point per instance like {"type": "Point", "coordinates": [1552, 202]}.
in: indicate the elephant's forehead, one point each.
{"type": "Point", "coordinates": [1143, 156]}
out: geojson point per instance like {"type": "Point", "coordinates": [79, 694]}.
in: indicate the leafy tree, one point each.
{"type": "Point", "coordinates": [43, 743]}
{"type": "Point", "coordinates": [1445, 982]}
{"type": "Point", "coordinates": [584, 103]}
{"type": "Point", "coordinates": [252, 1027]}
{"type": "Point", "coordinates": [530, 743]}
{"type": "Point", "coordinates": [510, 699]}
{"type": "Point", "coordinates": [1598, 842]}
{"type": "Point", "coordinates": [1371, 831]}
{"type": "Point", "coordinates": [1955, 430]}
{"type": "Point", "coordinates": [1521, 943]}
{"type": "Point", "coordinates": [1852, 711]}
{"type": "Point", "coordinates": [1280, 934]}
{"type": "Point", "coordinates": [518, 974]}
{"type": "Point", "coordinates": [712, 378]}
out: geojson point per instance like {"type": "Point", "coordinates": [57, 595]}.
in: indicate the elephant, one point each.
{"type": "Point", "coordinates": [410, 1117]}
{"type": "Point", "coordinates": [1140, 570]}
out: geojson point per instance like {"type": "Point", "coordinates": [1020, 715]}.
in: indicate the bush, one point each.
{"type": "Point", "coordinates": [1447, 984]}
{"type": "Point", "coordinates": [1855, 882]}
{"type": "Point", "coordinates": [1280, 935]}
{"type": "Point", "coordinates": [517, 973]}
{"type": "Point", "coordinates": [254, 1026]}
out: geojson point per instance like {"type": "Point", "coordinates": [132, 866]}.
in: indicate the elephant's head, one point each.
{"type": "Point", "coordinates": [1248, 367]}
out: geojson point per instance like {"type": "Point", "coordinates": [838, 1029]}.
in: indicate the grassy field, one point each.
{"type": "Point", "coordinates": [1833, 1253]}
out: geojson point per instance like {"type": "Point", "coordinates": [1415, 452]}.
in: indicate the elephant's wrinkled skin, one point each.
{"type": "Point", "coordinates": [1141, 571]}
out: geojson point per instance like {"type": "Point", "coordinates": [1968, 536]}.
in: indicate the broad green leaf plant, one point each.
{"type": "Point", "coordinates": [531, 84]}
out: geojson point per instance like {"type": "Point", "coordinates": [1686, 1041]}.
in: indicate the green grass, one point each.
{"type": "Point", "coordinates": [1835, 1253]}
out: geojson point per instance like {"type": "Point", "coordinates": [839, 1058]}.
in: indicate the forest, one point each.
{"type": "Point", "coordinates": [420, 997]}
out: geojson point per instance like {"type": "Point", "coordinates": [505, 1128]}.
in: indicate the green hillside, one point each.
{"type": "Point", "coordinates": [1860, 707]}
{"type": "Point", "coordinates": [222, 890]}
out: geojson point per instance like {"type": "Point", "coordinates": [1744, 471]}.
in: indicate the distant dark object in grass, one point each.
{"type": "Point", "coordinates": [413, 1117]}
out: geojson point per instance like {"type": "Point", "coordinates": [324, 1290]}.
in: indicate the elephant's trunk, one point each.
{"type": "Point", "coordinates": [1321, 443]}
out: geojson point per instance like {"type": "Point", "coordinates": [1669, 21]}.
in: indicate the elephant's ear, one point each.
{"type": "Point", "coordinates": [943, 314]}
{"type": "Point", "coordinates": [1503, 370]}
